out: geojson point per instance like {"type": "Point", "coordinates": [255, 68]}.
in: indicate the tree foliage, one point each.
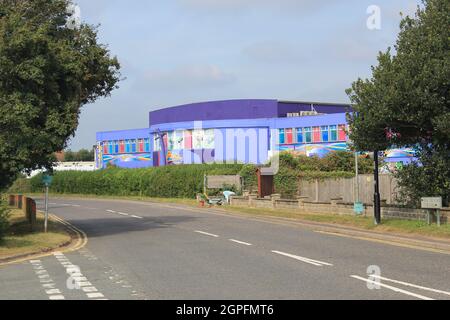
{"type": "Point", "coordinates": [406, 101]}
{"type": "Point", "coordinates": [81, 155]}
{"type": "Point", "coordinates": [47, 73]}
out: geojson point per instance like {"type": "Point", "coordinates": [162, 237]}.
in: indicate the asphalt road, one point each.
{"type": "Point", "coordinates": [141, 250]}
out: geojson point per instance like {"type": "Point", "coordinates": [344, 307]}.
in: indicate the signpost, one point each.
{"type": "Point", "coordinates": [358, 206]}
{"type": "Point", "coordinates": [47, 180]}
{"type": "Point", "coordinates": [432, 203]}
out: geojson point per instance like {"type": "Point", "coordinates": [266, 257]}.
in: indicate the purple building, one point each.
{"type": "Point", "coordinates": [243, 131]}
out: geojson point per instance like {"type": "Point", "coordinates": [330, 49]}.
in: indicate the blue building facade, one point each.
{"type": "Point", "coordinates": [243, 131]}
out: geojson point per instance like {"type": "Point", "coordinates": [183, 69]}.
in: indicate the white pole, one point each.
{"type": "Point", "coordinates": [46, 209]}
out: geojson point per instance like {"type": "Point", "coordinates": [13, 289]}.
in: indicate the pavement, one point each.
{"type": "Point", "coordinates": [143, 250]}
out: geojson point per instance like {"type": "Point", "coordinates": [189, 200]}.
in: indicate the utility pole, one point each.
{"type": "Point", "coordinates": [376, 194]}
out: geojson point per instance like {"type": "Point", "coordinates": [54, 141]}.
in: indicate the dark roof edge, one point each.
{"type": "Point", "coordinates": [315, 103]}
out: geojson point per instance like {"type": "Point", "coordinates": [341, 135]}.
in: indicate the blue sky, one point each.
{"type": "Point", "coordinates": [180, 51]}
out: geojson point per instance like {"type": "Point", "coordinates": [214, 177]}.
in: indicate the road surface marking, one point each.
{"type": "Point", "coordinates": [207, 234]}
{"type": "Point", "coordinates": [75, 274]}
{"type": "Point", "coordinates": [123, 213]}
{"type": "Point", "coordinates": [303, 259]}
{"type": "Point", "coordinates": [93, 295]}
{"type": "Point", "coordinates": [411, 285]}
{"type": "Point", "coordinates": [388, 242]}
{"type": "Point", "coordinates": [241, 242]}
{"type": "Point", "coordinates": [46, 282]}
{"type": "Point", "coordinates": [111, 211]}
{"type": "Point", "coordinates": [137, 217]}
{"type": "Point", "coordinates": [412, 294]}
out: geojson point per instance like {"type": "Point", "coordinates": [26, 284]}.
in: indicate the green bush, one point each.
{"type": "Point", "coordinates": [183, 181]}
{"type": "Point", "coordinates": [4, 222]}
{"type": "Point", "coordinates": [248, 174]}
{"type": "Point", "coordinates": [20, 185]}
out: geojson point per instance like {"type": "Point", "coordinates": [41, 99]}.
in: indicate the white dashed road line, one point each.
{"type": "Point", "coordinates": [76, 279]}
{"type": "Point", "coordinates": [240, 242]}
{"type": "Point", "coordinates": [303, 259]}
{"type": "Point", "coordinates": [411, 285]}
{"type": "Point", "coordinates": [47, 283]}
{"type": "Point", "coordinates": [137, 217]}
{"type": "Point", "coordinates": [373, 282]}
{"type": "Point", "coordinates": [111, 211]}
{"type": "Point", "coordinates": [207, 234]}
{"type": "Point", "coordinates": [123, 213]}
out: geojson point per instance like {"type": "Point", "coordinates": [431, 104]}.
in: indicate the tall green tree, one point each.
{"type": "Point", "coordinates": [48, 71]}
{"type": "Point", "coordinates": [406, 101]}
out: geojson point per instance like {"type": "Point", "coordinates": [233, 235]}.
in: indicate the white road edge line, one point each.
{"type": "Point", "coordinates": [411, 285]}
{"type": "Point", "coordinates": [240, 242]}
{"type": "Point", "coordinates": [392, 288]}
{"type": "Point", "coordinates": [207, 234]}
{"type": "Point", "coordinates": [303, 259]}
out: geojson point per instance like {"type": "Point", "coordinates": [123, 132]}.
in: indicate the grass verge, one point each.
{"type": "Point", "coordinates": [362, 222]}
{"type": "Point", "coordinates": [19, 239]}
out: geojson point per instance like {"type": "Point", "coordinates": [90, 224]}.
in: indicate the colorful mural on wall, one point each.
{"type": "Point", "coordinates": [139, 160]}
{"type": "Point", "coordinates": [394, 155]}
{"type": "Point", "coordinates": [310, 150]}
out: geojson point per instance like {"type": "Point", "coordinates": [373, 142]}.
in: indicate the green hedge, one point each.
{"type": "Point", "coordinates": [173, 181]}
{"type": "Point", "coordinates": [185, 181]}
{"type": "Point", "coordinates": [4, 222]}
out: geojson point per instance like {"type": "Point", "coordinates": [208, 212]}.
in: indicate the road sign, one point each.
{"type": "Point", "coordinates": [47, 180]}
{"type": "Point", "coordinates": [431, 203]}
{"type": "Point", "coordinates": [358, 207]}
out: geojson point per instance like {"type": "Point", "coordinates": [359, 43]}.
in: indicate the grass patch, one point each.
{"type": "Point", "coordinates": [20, 240]}
{"type": "Point", "coordinates": [362, 222]}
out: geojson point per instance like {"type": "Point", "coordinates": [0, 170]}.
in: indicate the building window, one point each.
{"type": "Point", "coordinates": [316, 134]}
{"type": "Point", "coordinates": [289, 136]}
{"type": "Point", "coordinates": [197, 139]}
{"type": "Point", "coordinates": [147, 145]}
{"type": "Point", "coordinates": [208, 139]}
{"type": "Point", "coordinates": [308, 135]}
{"type": "Point", "coordinates": [282, 137]}
{"type": "Point", "coordinates": [141, 145]}
{"type": "Point", "coordinates": [178, 140]}
{"type": "Point", "coordinates": [333, 133]}
{"type": "Point", "coordinates": [156, 142]}
{"type": "Point", "coordinates": [188, 139]}
{"type": "Point", "coordinates": [170, 140]}
{"type": "Point", "coordinates": [299, 135]}
{"type": "Point", "coordinates": [325, 134]}
{"type": "Point", "coordinates": [342, 133]}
